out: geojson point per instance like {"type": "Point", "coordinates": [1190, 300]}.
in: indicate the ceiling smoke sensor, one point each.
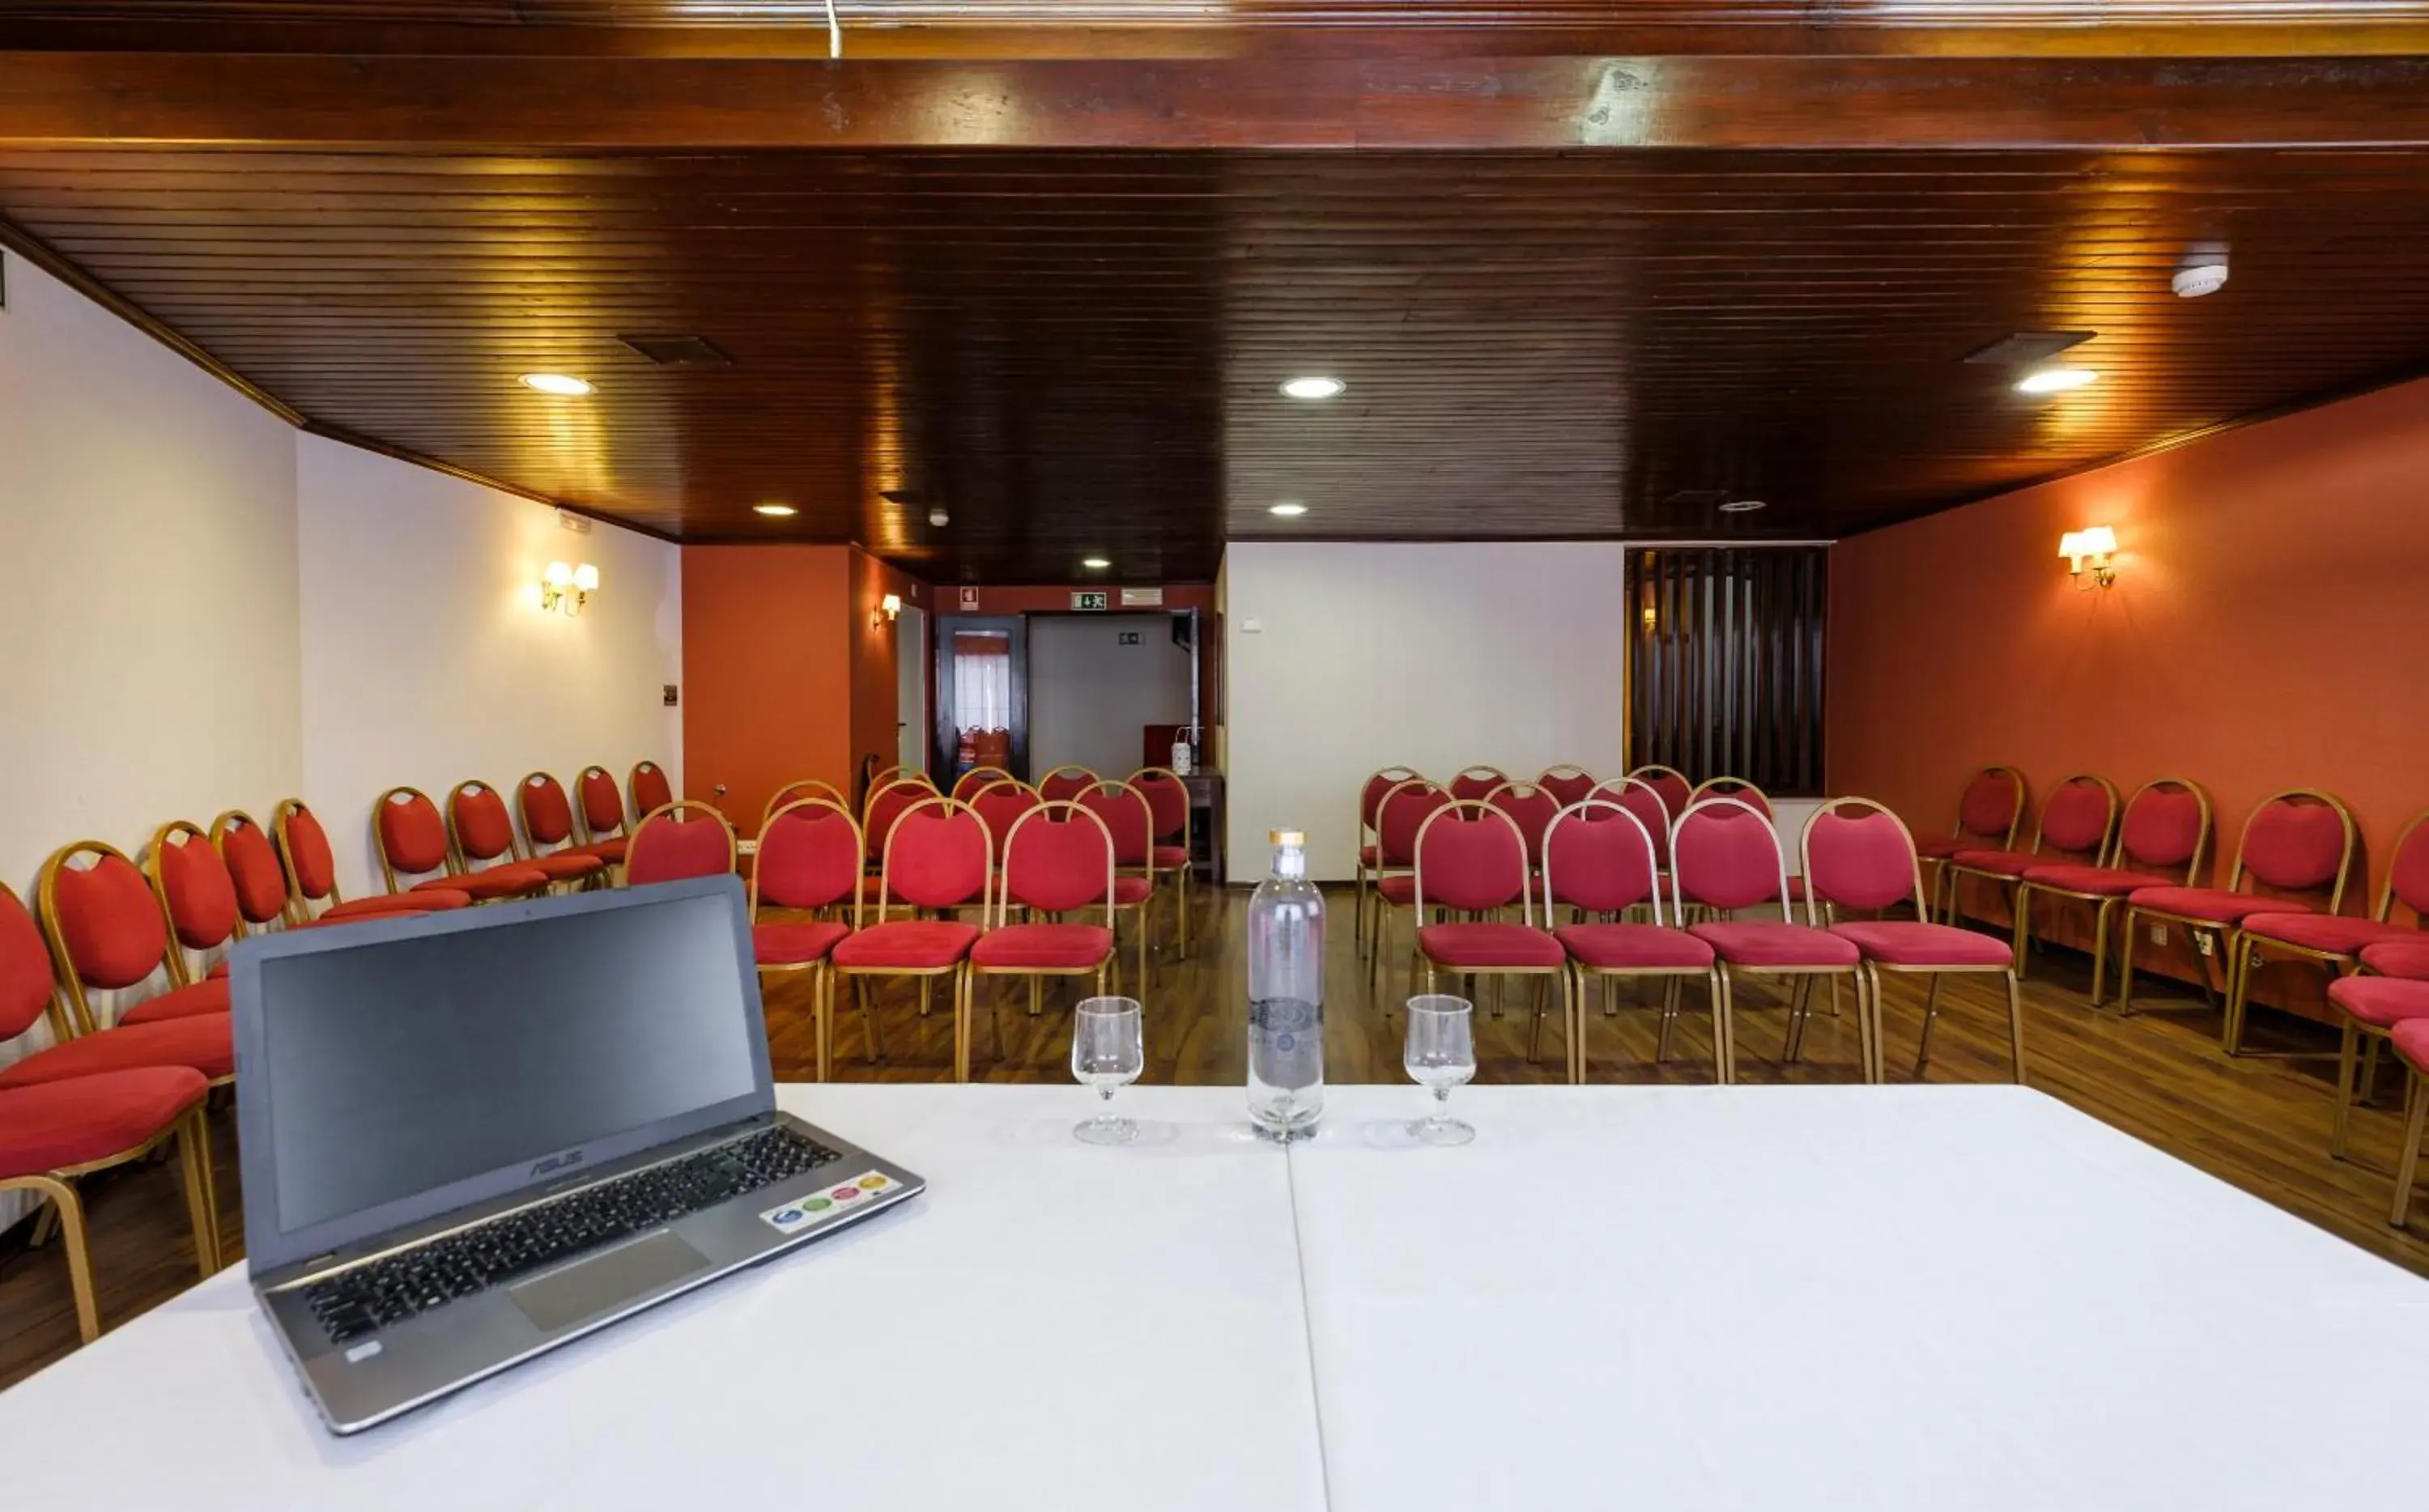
{"type": "Point", "coordinates": [2027, 348]}
{"type": "Point", "coordinates": [937, 517]}
{"type": "Point", "coordinates": [2202, 271]}
{"type": "Point", "coordinates": [679, 351]}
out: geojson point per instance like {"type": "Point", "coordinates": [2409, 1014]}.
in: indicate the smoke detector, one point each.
{"type": "Point", "coordinates": [937, 517]}
{"type": "Point", "coordinates": [2202, 271]}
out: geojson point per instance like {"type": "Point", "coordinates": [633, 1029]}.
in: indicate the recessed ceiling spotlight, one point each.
{"type": "Point", "coordinates": [556, 382]}
{"type": "Point", "coordinates": [774, 511]}
{"type": "Point", "coordinates": [1313, 388]}
{"type": "Point", "coordinates": [2055, 380]}
{"type": "Point", "coordinates": [1743, 506]}
{"type": "Point", "coordinates": [1289, 509]}
{"type": "Point", "coordinates": [1095, 563]}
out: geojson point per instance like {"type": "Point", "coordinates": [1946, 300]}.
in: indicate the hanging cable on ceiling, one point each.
{"type": "Point", "coordinates": [834, 32]}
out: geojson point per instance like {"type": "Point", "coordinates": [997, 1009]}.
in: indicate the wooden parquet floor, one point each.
{"type": "Point", "coordinates": [2260, 1122]}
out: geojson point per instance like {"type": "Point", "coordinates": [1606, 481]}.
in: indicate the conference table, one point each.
{"type": "Point", "coordinates": [1722, 1297]}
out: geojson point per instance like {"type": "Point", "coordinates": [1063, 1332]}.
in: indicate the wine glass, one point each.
{"type": "Point", "coordinates": [1107, 1053]}
{"type": "Point", "coordinates": [1441, 1054]}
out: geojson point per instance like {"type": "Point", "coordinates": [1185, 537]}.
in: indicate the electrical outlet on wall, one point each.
{"type": "Point", "coordinates": [2158, 934]}
{"type": "Point", "coordinates": [2203, 944]}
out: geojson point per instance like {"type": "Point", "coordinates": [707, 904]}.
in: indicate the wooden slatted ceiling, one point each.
{"type": "Point", "coordinates": [1078, 352]}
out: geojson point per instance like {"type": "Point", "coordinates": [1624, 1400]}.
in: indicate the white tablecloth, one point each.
{"type": "Point", "coordinates": [1051, 1326]}
{"type": "Point", "coordinates": [1932, 1299]}
{"type": "Point", "coordinates": [1840, 1297]}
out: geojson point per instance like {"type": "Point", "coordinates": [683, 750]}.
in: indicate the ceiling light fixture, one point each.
{"type": "Point", "coordinates": [937, 517]}
{"type": "Point", "coordinates": [2055, 380]}
{"type": "Point", "coordinates": [1095, 563]}
{"type": "Point", "coordinates": [556, 382]}
{"type": "Point", "coordinates": [1288, 509]}
{"type": "Point", "coordinates": [1313, 388]}
{"type": "Point", "coordinates": [775, 511]}
{"type": "Point", "coordinates": [1743, 506]}
{"type": "Point", "coordinates": [2091, 553]}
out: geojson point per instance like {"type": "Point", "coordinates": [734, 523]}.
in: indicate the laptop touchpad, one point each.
{"type": "Point", "coordinates": [605, 1282]}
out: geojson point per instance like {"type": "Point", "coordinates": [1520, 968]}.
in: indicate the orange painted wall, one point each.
{"type": "Point", "coordinates": [769, 671]}
{"type": "Point", "coordinates": [2264, 631]}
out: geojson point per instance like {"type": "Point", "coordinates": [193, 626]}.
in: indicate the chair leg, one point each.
{"type": "Point", "coordinates": [1181, 950]}
{"type": "Point", "coordinates": [1670, 995]}
{"type": "Point", "coordinates": [2417, 1106]}
{"type": "Point", "coordinates": [195, 1155]}
{"type": "Point", "coordinates": [1036, 988]}
{"type": "Point", "coordinates": [2126, 967]}
{"type": "Point", "coordinates": [2016, 1025]}
{"type": "Point", "coordinates": [1725, 1038]}
{"type": "Point", "coordinates": [2238, 972]}
{"type": "Point", "coordinates": [1358, 912]}
{"type": "Point", "coordinates": [868, 1019]}
{"type": "Point", "coordinates": [1931, 1015]}
{"type": "Point", "coordinates": [925, 982]}
{"type": "Point", "coordinates": [1573, 1016]}
{"type": "Point", "coordinates": [822, 1016]}
{"type": "Point", "coordinates": [2022, 941]}
{"type": "Point", "coordinates": [2369, 1071]}
{"type": "Point", "coordinates": [71, 1220]}
{"type": "Point", "coordinates": [962, 1023]}
{"type": "Point", "coordinates": [2100, 947]}
{"type": "Point", "coordinates": [2347, 1061]}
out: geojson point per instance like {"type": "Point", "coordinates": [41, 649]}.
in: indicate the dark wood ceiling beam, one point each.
{"type": "Point", "coordinates": [401, 104]}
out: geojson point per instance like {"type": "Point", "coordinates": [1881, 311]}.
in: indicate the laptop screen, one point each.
{"type": "Point", "coordinates": [513, 1044]}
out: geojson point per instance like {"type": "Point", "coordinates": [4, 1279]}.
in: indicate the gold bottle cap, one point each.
{"type": "Point", "coordinates": [1286, 837]}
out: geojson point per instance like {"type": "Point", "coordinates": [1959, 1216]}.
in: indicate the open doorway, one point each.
{"type": "Point", "coordinates": [982, 716]}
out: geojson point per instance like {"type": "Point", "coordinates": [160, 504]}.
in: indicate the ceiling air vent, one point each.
{"type": "Point", "coordinates": [679, 351]}
{"type": "Point", "coordinates": [1697, 497]}
{"type": "Point", "coordinates": [2025, 347]}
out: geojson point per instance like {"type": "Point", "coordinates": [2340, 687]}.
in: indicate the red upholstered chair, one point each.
{"type": "Point", "coordinates": [1001, 804]}
{"type": "Point", "coordinates": [2076, 822]}
{"type": "Point", "coordinates": [2334, 941]}
{"type": "Point", "coordinates": [898, 772]}
{"type": "Point", "coordinates": [2407, 959]}
{"type": "Point", "coordinates": [199, 1043]}
{"type": "Point", "coordinates": [484, 839]}
{"type": "Point", "coordinates": [1990, 812]}
{"type": "Point", "coordinates": [312, 875]}
{"type": "Point", "coordinates": [604, 833]}
{"type": "Point", "coordinates": [196, 892]}
{"type": "Point", "coordinates": [1531, 806]}
{"type": "Point", "coordinates": [2370, 1008]}
{"type": "Point", "coordinates": [1130, 825]}
{"type": "Point", "coordinates": [1397, 818]}
{"type": "Point", "coordinates": [2411, 1039]}
{"type": "Point", "coordinates": [649, 788]}
{"type": "Point", "coordinates": [1058, 858]}
{"type": "Point", "coordinates": [1065, 783]}
{"type": "Point", "coordinates": [1860, 855]}
{"type": "Point", "coordinates": [1643, 800]}
{"type": "Point", "coordinates": [549, 828]}
{"type": "Point", "coordinates": [1471, 859]}
{"type": "Point", "coordinates": [1569, 783]}
{"type": "Point", "coordinates": [936, 857]}
{"type": "Point", "coordinates": [1599, 860]}
{"type": "Point", "coordinates": [412, 842]}
{"type": "Point", "coordinates": [795, 790]}
{"type": "Point", "coordinates": [1167, 798]}
{"type": "Point", "coordinates": [1754, 797]}
{"type": "Point", "coordinates": [887, 802]}
{"type": "Point", "coordinates": [2298, 844]}
{"type": "Point", "coordinates": [1474, 782]}
{"type": "Point", "coordinates": [685, 838]}
{"type": "Point", "coordinates": [809, 861]}
{"type": "Point", "coordinates": [966, 786]}
{"type": "Point", "coordinates": [1725, 855]}
{"type": "Point", "coordinates": [108, 933]}
{"type": "Point", "coordinates": [54, 1133]}
{"type": "Point", "coordinates": [1370, 798]}
{"type": "Point", "coordinates": [254, 869]}
{"type": "Point", "coordinates": [2165, 831]}
{"type": "Point", "coordinates": [1668, 781]}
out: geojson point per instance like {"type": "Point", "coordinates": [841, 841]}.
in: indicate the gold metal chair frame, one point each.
{"type": "Point", "coordinates": [1067, 766]}
{"type": "Point", "coordinates": [885, 775]}
{"type": "Point", "coordinates": [2407, 1165]}
{"type": "Point", "coordinates": [1379, 937]}
{"type": "Point", "coordinates": [959, 971]}
{"type": "Point", "coordinates": [517, 848]}
{"type": "Point", "coordinates": [2236, 961]}
{"type": "Point", "coordinates": [1526, 918]}
{"type": "Point", "coordinates": [1822, 916]}
{"type": "Point", "coordinates": [1188, 851]}
{"type": "Point", "coordinates": [582, 810]}
{"type": "Point", "coordinates": [230, 819]}
{"type": "Point", "coordinates": [2105, 904]}
{"type": "Point", "coordinates": [796, 790]}
{"type": "Point", "coordinates": [1002, 916]}
{"type": "Point", "coordinates": [1952, 873]}
{"type": "Point", "coordinates": [1580, 973]}
{"type": "Point", "coordinates": [450, 866]}
{"type": "Point", "coordinates": [180, 970]}
{"type": "Point", "coordinates": [1800, 1006]}
{"type": "Point", "coordinates": [301, 905]}
{"type": "Point", "coordinates": [71, 981]}
{"type": "Point", "coordinates": [2020, 791]}
{"type": "Point", "coordinates": [1728, 787]}
{"type": "Point", "coordinates": [822, 972]}
{"type": "Point", "coordinates": [530, 849]}
{"type": "Point", "coordinates": [192, 1135]}
{"type": "Point", "coordinates": [1145, 908]}
{"type": "Point", "coordinates": [2356, 1034]}
{"type": "Point", "coordinates": [1397, 775]}
{"type": "Point", "coordinates": [667, 812]}
{"type": "Point", "coordinates": [976, 780]}
{"type": "Point", "coordinates": [632, 787]}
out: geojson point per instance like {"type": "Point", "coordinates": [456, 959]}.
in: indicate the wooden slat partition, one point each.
{"type": "Point", "coordinates": [1725, 665]}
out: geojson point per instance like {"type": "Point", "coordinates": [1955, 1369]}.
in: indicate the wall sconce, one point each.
{"type": "Point", "coordinates": [890, 607]}
{"type": "Point", "coordinates": [567, 588]}
{"type": "Point", "coordinates": [2090, 553]}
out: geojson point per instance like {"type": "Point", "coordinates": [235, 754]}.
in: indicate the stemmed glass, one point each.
{"type": "Point", "coordinates": [1441, 1054]}
{"type": "Point", "coordinates": [1107, 1053]}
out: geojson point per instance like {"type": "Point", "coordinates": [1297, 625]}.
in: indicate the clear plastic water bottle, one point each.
{"type": "Point", "coordinates": [1286, 996]}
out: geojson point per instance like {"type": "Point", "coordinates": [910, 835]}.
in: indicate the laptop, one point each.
{"type": "Point", "coordinates": [472, 1137]}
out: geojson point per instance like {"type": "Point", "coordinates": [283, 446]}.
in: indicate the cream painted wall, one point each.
{"type": "Point", "coordinates": [148, 644]}
{"type": "Point", "coordinates": [428, 659]}
{"type": "Point", "coordinates": [1342, 658]}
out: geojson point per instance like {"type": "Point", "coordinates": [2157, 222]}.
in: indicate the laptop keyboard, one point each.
{"type": "Point", "coordinates": [353, 1303]}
